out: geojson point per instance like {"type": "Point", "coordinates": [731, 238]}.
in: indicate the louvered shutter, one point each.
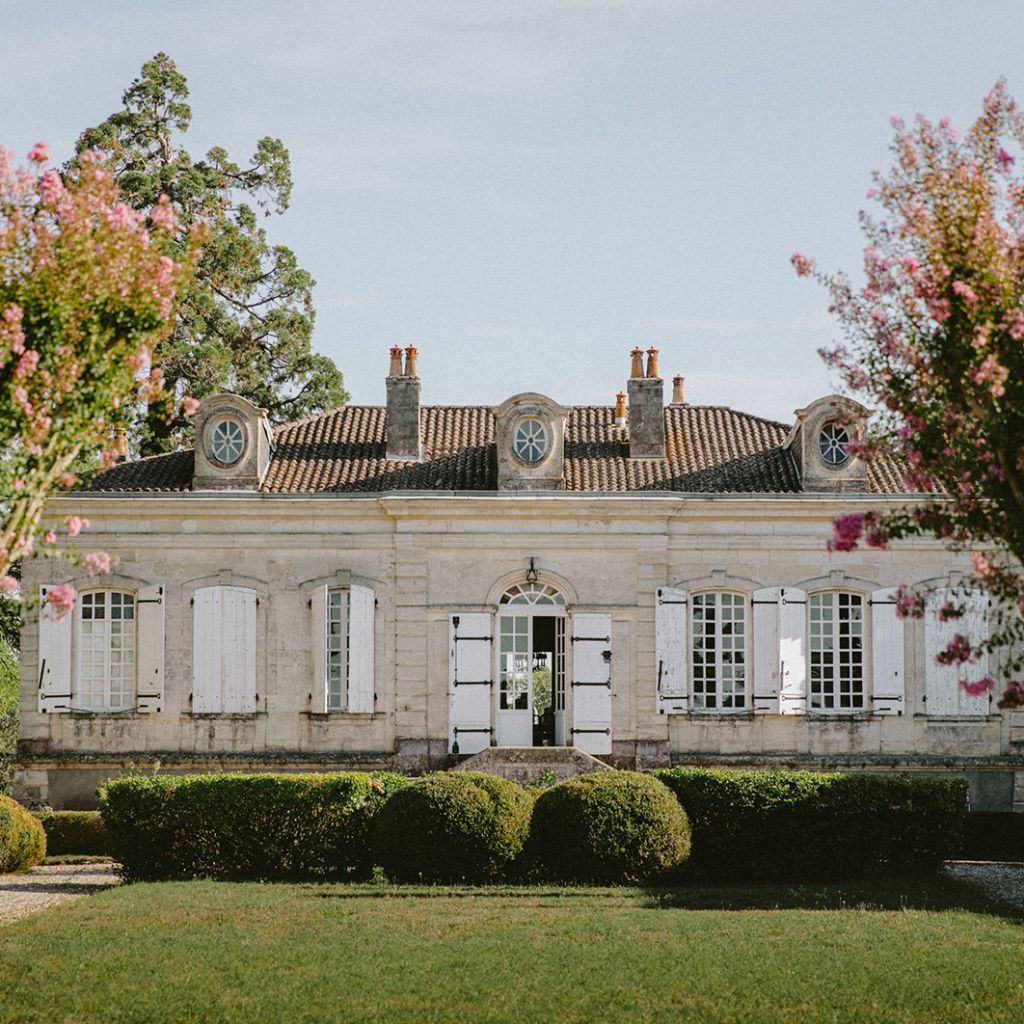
{"type": "Point", "coordinates": [470, 678]}
{"type": "Point", "coordinates": [360, 646]}
{"type": "Point", "coordinates": [240, 659]}
{"type": "Point", "coordinates": [150, 666]}
{"type": "Point", "coordinates": [224, 650]}
{"type": "Point", "coordinates": [940, 681]}
{"type": "Point", "coordinates": [974, 626]}
{"type": "Point", "coordinates": [318, 630]}
{"type": "Point", "coordinates": [671, 618]}
{"type": "Point", "coordinates": [888, 691]}
{"type": "Point", "coordinates": [54, 657]}
{"type": "Point", "coordinates": [793, 651]}
{"type": "Point", "coordinates": [765, 615]}
{"type": "Point", "coordinates": [591, 683]}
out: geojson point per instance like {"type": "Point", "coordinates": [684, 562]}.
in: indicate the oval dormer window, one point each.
{"type": "Point", "coordinates": [834, 444]}
{"type": "Point", "coordinates": [227, 442]}
{"type": "Point", "coordinates": [531, 441]}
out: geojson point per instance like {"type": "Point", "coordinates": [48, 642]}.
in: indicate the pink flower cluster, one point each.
{"type": "Point", "coordinates": [62, 598]}
{"type": "Point", "coordinates": [978, 687]}
{"type": "Point", "coordinates": [846, 532]}
{"type": "Point", "coordinates": [958, 651]}
{"type": "Point", "coordinates": [97, 563]}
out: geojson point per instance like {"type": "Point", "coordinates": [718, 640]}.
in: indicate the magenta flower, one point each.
{"type": "Point", "coordinates": [846, 532]}
{"type": "Point", "coordinates": [62, 598]}
{"type": "Point", "coordinates": [40, 153]}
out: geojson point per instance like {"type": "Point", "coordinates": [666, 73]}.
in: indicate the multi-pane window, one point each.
{"type": "Point", "coordinates": [718, 651]}
{"type": "Point", "coordinates": [514, 693]}
{"type": "Point", "coordinates": [837, 651]}
{"type": "Point", "coordinates": [337, 649]}
{"type": "Point", "coordinates": [106, 651]}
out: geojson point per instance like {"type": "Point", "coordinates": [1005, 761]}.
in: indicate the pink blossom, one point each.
{"type": "Point", "coordinates": [139, 361]}
{"type": "Point", "coordinates": [189, 406]}
{"type": "Point", "coordinates": [51, 188]}
{"type": "Point", "coordinates": [940, 309]}
{"type": "Point", "coordinates": [97, 563]}
{"type": "Point", "coordinates": [957, 652]}
{"type": "Point", "coordinates": [993, 373]}
{"type": "Point", "coordinates": [27, 364]}
{"type": "Point", "coordinates": [982, 566]}
{"type": "Point", "coordinates": [803, 265]}
{"type": "Point", "coordinates": [909, 603]}
{"type": "Point", "coordinates": [51, 537]}
{"type": "Point", "coordinates": [40, 153]}
{"type": "Point", "coordinates": [966, 292]}
{"type": "Point", "coordinates": [163, 214]}
{"type": "Point", "coordinates": [1004, 160]}
{"type": "Point", "coordinates": [18, 484]}
{"type": "Point", "coordinates": [846, 532]}
{"type": "Point", "coordinates": [122, 216]}
{"type": "Point", "coordinates": [978, 687]}
{"type": "Point", "coordinates": [62, 598]}
{"type": "Point", "coordinates": [8, 584]}
{"type": "Point", "coordinates": [76, 524]}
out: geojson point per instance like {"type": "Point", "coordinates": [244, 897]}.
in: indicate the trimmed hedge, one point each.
{"type": "Point", "coordinates": [22, 839]}
{"type": "Point", "coordinates": [453, 827]}
{"type": "Point", "coordinates": [790, 826]}
{"type": "Point", "coordinates": [74, 833]}
{"type": "Point", "coordinates": [609, 827]}
{"type": "Point", "coordinates": [263, 827]}
{"type": "Point", "coordinates": [993, 835]}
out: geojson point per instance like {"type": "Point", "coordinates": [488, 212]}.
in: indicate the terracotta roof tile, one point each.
{"type": "Point", "coordinates": [709, 449]}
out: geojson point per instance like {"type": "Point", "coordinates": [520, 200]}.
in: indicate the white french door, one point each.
{"type": "Point", "coordinates": [530, 702]}
{"type": "Point", "coordinates": [514, 713]}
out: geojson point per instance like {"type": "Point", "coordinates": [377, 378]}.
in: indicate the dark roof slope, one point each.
{"type": "Point", "coordinates": [710, 449]}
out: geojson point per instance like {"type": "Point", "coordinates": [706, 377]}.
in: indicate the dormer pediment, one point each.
{"type": "Point", "coordinates": [820, 441]}
{"type": "Point", "coordinates": [529, 430]}
{"type": "Point", "coordinates": [233, 444]}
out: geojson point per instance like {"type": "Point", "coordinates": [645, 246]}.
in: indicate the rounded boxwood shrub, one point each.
{"type": "Point", "coordinates": [75, 833]}
{"type": "Point", "coordinates": [609, 827]}
{"type": "Point", "coordinates": [452, 827]}
{"type": "Point", "coordinates": [22, 839]}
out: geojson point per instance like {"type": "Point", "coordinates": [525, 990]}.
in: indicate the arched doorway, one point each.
{"type": "Point", "coordinates": [530, 698]}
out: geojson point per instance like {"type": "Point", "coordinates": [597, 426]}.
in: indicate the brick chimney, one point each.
{"type": "Point", "coordinates": [646, 408]}
{"type": "Point", "coordinates": [403, 421]}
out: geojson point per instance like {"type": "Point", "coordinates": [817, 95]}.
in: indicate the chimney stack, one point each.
{"type": "Point", "coordinates": [403, 419]}
{"type": "Point", "coordinates": [646, 408]}
{"type": "Point", "coordinates": [620, 409]}
{"type": "Point", "coordinates": [677, 390]}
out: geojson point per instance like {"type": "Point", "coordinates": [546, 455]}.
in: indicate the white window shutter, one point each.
{"type": "Point", "coordinates": [793, 652]}
{"type": "Point", "coordinates": [888, 687]}
{"type": "Point", "coordinates": [470, 680]}
{"type": "Point", "coordinates": [318, 629]}
{"type": "Point", "coordinates": [974, 626]}
{"type": "Point", "coordinates": [150, 629]}
{"type": "Point", "coordinates": [765, 615]}
{"type": "Point", "coordinates": [245, 616]}
{"type": "Point", "coordinates": [671, 622]}
{"type": "Point", "coordinates": [206, 659]}
{"type": "Point", "coordinates": [592, 683]}
{"type": "Point", "coordinates": [940, 681]}
{"type": "Point", "coordinates": [360, 646]}
{"type": "Point", "coordinates": [54, 657]}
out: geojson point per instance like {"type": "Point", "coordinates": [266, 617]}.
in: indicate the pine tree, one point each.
{"type": "Point", "coordinates": [245, 325]}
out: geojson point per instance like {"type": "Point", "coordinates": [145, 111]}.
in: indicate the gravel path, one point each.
{"type": "Point", "coordinates": [50, 884]}
{"type": "Point", "coordinates": [1000, 880]}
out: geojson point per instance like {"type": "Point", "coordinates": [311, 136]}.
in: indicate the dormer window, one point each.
{"type": "Point", "coordinates": [531, 441]}
{"type": "Point", "coordinates": [833, 443]}
{"type": "Point", "coordinates": [227, 442]}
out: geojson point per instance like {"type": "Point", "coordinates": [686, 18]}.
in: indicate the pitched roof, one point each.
{"type": "Point", "coordinates": [709, 449]}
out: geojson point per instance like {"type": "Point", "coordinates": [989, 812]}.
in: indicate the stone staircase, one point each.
{"type": "Point", "coordinates": [526, 765]}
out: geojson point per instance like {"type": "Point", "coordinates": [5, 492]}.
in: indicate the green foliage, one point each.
{"type": "Point", "coordinates": [244, 827]}
{"type": "Point", "coordinates": [246, 324]}
{"type": "Point", "coordinates": [992, 835]}
{"type": "Point", "coordinates": [802, 825]}
{"type": "Point", "coordinates": [22, 839]}
{"type": "Point", "coordinates": [453, 826]}
{"type": "Point", "coordinates": [609, 827]}
{"type": "Point", "coordinates": [10, 685]}
{"type": "Point", "coordinates": [74, 833]}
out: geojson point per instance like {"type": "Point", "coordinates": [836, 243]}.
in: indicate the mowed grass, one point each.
{"type": "Point", "coordinates": [212, 952]}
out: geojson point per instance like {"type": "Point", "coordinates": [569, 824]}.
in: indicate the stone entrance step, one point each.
{"type": "Point", "coordinates": [526, 765]}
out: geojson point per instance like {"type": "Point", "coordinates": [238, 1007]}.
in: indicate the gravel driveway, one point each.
{"type": "Point", "coordinates": [50, 884]}
{"type": "Point", "coordinates": [1000, 880]}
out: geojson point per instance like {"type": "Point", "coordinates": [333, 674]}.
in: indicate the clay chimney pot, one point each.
{"type": "Point", "coordinates": [652, 363]}
{"type": "Point", "coordinates": [637, 369]}
{"type": "Point", "coordinates": [677, 390]}
{"type": "Point", "coordinates": [396, 362]}
{"type": "Point", "coordinates": [411, 367]}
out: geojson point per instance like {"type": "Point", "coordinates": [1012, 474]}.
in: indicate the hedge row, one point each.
{"type": "Point", "coordinates": [240, 827]}
{"type": "Point", "coordinates": [22, 839]}
{"type": "Point", "coordinates": [614, 827]}
{"type": "Point", "coordinates": [993, 835]}
{"type": "Point", "coordinates": [80, 833]}
{"type": "Point", "coordinates": [807, 826]}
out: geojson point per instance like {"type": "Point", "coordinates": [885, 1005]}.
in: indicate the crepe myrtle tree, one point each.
{"type": "Point", "coordinates": [934, 341]}
{"type": "Point", "coordinates": [87, 291]}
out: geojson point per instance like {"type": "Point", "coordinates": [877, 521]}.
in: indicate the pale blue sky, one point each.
{"type": "Point", "coordinates": [526, 190]}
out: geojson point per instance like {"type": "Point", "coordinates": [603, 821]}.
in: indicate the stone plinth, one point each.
{"type": "Point", "coordinates": [526, 765]}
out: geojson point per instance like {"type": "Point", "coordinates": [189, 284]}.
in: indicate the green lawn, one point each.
{"type": "Point", "coordinates": [203, 952]}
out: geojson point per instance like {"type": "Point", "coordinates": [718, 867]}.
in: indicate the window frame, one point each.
{"type": "Point", "coordinates": [697, 699]}
{"type": "Point", "coordinates": [131, 683]}
{"type": "Point", "coordinates": [345, 648]}
{"type": "Point", "coordinates": [835, 681]}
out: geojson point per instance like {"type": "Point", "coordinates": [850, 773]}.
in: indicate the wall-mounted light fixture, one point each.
{"type": "Point", "coordinates": [531, 573]}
